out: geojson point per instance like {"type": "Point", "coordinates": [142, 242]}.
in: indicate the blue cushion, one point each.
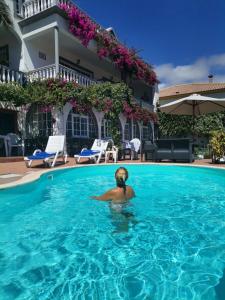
{"type": "Point", "coordinates": [89, 152]}
{"type": "Point", "coordinates": [41, 155]}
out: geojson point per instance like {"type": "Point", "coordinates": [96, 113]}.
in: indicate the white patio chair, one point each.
{"type": "Point", "coordinates": [14, 141]}
{"type": "Point", "coordinates": [135, 147]}
{"type": "Point", "coordinates": [55, 148]}
{"type": "Point", "coordinates": [96, 152]}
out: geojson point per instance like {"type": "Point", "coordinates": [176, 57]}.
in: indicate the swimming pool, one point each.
{"type": "Point", "coordinates": [57, 243]}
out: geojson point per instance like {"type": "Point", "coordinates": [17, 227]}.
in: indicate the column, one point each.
{"type": "Point", "coordinates": [56, 39]}
{"type": "Point", "coordinates": [123, 121]}
{"type": "Point", "coordinates": [99, 117]}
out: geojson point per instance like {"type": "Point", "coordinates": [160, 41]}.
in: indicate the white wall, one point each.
{"type": "Point", "coordinates": [31, 52]}
{"type": "Point", "coordinates": [8, 38]}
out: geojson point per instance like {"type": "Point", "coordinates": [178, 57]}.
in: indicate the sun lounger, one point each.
{"type": "Point", "coordinates": [96, 152]}
{"type": "Point", "coordinates": [53, 150]}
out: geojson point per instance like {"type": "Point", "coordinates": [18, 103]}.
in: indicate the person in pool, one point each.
{"type": "Point", "coordinates": [121, 193]}
{"type": "Point", "coordinates": [119, 197]}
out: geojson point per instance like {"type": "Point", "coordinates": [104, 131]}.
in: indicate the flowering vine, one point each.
{"type": "Point", "coordinates": [137, 113]}
{"type": "Point", "coordinates": [81, 26]}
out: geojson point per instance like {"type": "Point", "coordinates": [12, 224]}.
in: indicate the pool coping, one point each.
{"type": "Point", "coordinates": [31, 177]}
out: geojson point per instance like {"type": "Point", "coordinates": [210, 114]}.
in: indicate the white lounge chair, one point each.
{"type": "Point", "coordinates": [96, 152]}
{"type": "Point", "coordinates": [55, 148]}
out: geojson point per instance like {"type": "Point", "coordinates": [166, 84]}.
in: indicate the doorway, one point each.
{"type": "Point", "coordinates": [8, 121]}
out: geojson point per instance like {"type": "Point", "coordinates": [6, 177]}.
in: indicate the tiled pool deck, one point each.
{"type": "Point", "coordinates": [14, 170]}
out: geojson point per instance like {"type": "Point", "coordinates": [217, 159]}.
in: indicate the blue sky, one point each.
{"type": "Point", "coordinates": [184, 40]}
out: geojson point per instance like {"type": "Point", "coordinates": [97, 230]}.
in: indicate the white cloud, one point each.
{"type": "Point", "coordinates": [170, 74]}
{"type": "Point", "coordinates": [217, 60]}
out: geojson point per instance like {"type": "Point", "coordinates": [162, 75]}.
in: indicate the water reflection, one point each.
{"type": "Point", "coordinates": [220, 288]}
{"type": "Point", "coordinates": [122, 219]}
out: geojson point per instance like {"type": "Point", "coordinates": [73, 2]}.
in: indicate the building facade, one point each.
{"type": "Point", "coordinates": [40, 46]}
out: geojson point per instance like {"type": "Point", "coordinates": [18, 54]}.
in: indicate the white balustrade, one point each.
{"type": "Point", "coordinates": [8, 75]}
{"type": "Point", "coordinates": [67, 74]}
{"type": "Point", "coordinates": [33, 7]}
{"type": "Point", "coordinates": [64, 73]}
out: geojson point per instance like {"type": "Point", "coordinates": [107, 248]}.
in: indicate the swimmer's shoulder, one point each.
{"type": "Point", "coordinates": [130, 190]}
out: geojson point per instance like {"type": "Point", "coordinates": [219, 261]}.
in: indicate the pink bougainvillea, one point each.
{"type": "Point", "coordinates": [81, 26]}
{"type": "Point", "coordinates": [46, 108]}
{"type": "Point", "coordinates": [137, 113]}
{"type": "Point", "coordinates": [108, 105]}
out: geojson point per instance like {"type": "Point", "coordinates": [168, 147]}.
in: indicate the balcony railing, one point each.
{"type": "Point", "coordinates": [8, 75]}
{"type": "Point", "coordinates": [144, 104]}
{"type": "Point", "coordinates": [33, 7]}
{"type": "Point", "coordinates": [64, 73]}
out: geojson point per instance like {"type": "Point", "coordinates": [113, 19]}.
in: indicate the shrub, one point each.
{"type": "Point", "coordinates": [217, 143]}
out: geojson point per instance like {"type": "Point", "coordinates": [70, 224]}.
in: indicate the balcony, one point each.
{"type": "Point", "coordinates": [33, 7]}
{"type": "Point", "coordinates": [64, 73]}
{"type": "Point", "coordinates": [8, 75]}
{"type": "Point", "coordinates": [144, 104]}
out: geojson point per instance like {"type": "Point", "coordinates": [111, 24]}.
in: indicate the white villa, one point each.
{"type": "Point", "coordinates": [40, 46]}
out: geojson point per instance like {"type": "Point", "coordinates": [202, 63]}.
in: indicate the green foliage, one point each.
{"type": "Point", "coordinates": [209, 122]}
{"type": "Point", "coordinates": [5, 17]}
{"type": "Point", "coordinates": [217, 143]}
{"type": "Point", "coordinates": [12, 92]}
{"type": "Point", "coordinates": [105, 97]}
{"type": "Point", "coordinates": [51, 92]}
{"type": "Point", "coordinates": [174, 125]}
{"type": "Point", "coordinates": [109, 98]}
{"type": "Point", "coordinates": [98, 95]}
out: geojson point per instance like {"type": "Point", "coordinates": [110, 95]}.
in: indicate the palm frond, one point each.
{"type": "Point", "coordinates": [5, 18]}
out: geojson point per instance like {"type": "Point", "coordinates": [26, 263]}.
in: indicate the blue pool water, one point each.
{"type": "Point", "coordinates": [168, 244]}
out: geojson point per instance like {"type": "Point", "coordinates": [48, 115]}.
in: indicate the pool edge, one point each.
{"type": "Point", "coordinates": [31, 177]}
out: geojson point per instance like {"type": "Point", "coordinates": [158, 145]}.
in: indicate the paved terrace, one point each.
{"type": "Point", "coordinates": [14, 168]}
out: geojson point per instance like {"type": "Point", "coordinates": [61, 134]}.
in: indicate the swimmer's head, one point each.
{"type": "Point", "coordinates": [121, 176]}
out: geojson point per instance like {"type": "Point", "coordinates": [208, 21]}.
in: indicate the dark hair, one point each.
{"type": "Point", "coordinates": [120, 182]}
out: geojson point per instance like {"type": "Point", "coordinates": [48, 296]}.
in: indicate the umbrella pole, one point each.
{"type": "Point", "coordinates": [193, 122]}
{"type": "Point", "coordinates": [193, 126]}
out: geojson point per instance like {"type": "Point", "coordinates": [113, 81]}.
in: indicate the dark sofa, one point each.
{"type": "Point", "coordinates": [169, 149]}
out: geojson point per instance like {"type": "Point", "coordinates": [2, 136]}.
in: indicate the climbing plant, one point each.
{"type": "Point", "coordinates": [174, 125]}
{"type": "Point", "coordinates": [111, 98]}
{"type": "Point", "coordinates": [13, 93]}
{"type": "Point", "coordinates": [217, 142]}
{"type": "Point", "coordinates": [86, 30]}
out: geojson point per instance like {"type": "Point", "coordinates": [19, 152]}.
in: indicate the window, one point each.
{"type": "Point", "coordinates": [4, 55]}
{"type": "Point", "coordinates": [127, 131]}
{"type": "Point", "coordinates": [38, 123]}
{"type": "Point", "coordinates": [106, 128]}
{"type": "Point", "coordinates": [80, 126]}
{"type": "Point", "coordinates": [147, 133]}
{"type": "Point", "coordinates": [83, 126]}
{"type": "Point", "coordinates": [131, 130]}
{"type": "Point", "coordinates": [135, 130]}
